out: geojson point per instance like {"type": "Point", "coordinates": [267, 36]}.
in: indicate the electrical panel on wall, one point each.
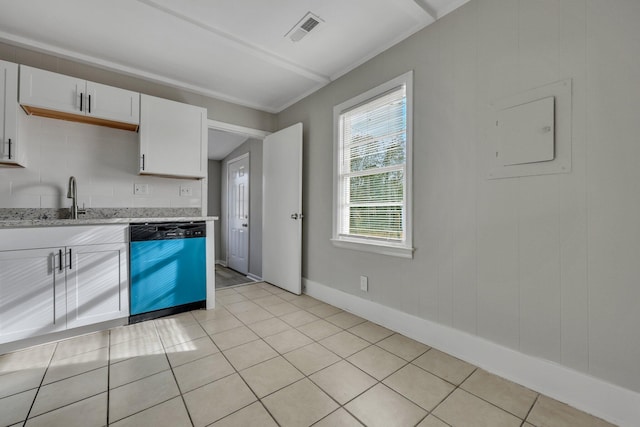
{"type": "Point", "coordinates": [531, 133]}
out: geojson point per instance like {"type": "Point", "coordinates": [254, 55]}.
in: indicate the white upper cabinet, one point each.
{"type": "Point", "coordinates": [112, 103]}
{"type": "Point", "coordinates": [10, 150]}
{"type": "Point", "coordinates": [173, 138]}
{"type": "Point", "coordinates": [45, 90]}
{"type": "Point", "coordinates": [54, 95]}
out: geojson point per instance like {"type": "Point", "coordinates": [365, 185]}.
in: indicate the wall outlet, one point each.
{"type": "Point", "coordinates": [140, 189]}
{"type": "Point", "coordinates": [364, 283]}
{"type": "Point", "coordinates": [186, 191]}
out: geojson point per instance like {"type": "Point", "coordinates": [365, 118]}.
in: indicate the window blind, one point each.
{"type": "Point", "coordinates": [372, 176]}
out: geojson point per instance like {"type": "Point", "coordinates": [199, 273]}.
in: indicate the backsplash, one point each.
{"type": "Point", "coordinates": [96, 213]}
{"type": "Point", "coordinates": [103, 160]}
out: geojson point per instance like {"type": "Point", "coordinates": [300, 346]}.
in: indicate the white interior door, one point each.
{"type": "Point", "coordinates": [282, 209]}
{"type": "Point", "coordinates": [238, 208]}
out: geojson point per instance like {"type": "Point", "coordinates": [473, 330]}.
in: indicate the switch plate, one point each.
{"type": "Point", "coordinates": [140, 189]}
{"type": "Point", "coordinates": [364, 283]}
{"type": "Point", "coordinates": [186, 191]}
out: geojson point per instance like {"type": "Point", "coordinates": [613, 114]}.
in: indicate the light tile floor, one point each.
{"type": "Point", "coordinates": [263, 357]}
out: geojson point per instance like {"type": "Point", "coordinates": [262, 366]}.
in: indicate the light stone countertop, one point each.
{"type": "Point", "coordinates": [26, 223]}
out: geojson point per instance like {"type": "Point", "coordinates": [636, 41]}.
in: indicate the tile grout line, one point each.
{"type": "Point", "coordinates": [530, 409]}
{"type": "Point", "coordinates": [108, 374]}
{"type": "Point", "coordinates": [173, 374]}
{"type": "Point", "coordinates": [236, 372]}
{"type": "Point", "coordinates": [40, 385]}
{"type": "Point", "coordinates": [131, 382]}
{"type": "Point", "coordinates": [494, 404]}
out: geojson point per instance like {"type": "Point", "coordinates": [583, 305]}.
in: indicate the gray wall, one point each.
{"type": "Point", "coordinates": [214, 199]}
{"type": "Point", "coordinates": [254, 148]}
{"type": "Point", "coordinates": [546, 265]}
{"type": "Point", "coordinates": [216, 109]}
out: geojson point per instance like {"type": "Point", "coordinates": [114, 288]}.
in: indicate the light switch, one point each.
{"type": "Point", "coordinates": [526, 132]}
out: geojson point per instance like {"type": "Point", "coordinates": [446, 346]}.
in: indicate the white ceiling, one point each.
{"type": "Point", "coordinates": [235, 50]}
{"type": "Point", "coordinates": [222, 143]}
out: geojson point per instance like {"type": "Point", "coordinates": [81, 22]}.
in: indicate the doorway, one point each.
{"type": "Point", "coordinates": [238, 214]}
{"type": "Point", "coordinates": [273, 167]}
{"type": "Point", "coordinates": [235, 191]}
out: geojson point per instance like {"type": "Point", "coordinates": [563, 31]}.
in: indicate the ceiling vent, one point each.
{"type": "Point", "coordinates": [304, 27]}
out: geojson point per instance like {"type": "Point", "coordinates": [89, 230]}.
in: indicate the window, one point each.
{"type": "Point", "coordinates": [372, 188]}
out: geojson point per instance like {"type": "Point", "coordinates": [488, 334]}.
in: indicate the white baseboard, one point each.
{"type": "Point", "coordinates": [254, 277]}
{"type": "Point", "coordinates": [221, 262]}
{"type": "Point", "coordinates": [595, 396]}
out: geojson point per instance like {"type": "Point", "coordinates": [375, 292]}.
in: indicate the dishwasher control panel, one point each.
{"type": "Point", "coordinates": [167, 231]}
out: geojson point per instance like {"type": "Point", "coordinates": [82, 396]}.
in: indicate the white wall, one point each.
{"type": "Point", "coordinates": [546, 265]}
{"type": "Point", "coordinates": [104, 161]}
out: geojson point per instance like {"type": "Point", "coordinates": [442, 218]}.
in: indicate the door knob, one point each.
{"type": "Point", "coordinates": [294, 216]}
{"type": "Point", "coordinates": [245, 225]}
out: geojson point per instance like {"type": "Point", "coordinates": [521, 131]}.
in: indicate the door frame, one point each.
{"type": "Point", "coordinates": [227, 213]}
{"type": "Point", "coordinates": [238, 130]}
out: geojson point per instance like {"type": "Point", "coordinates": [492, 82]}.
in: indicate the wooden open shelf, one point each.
{"type": "Point", "coordinates": [43, 112]}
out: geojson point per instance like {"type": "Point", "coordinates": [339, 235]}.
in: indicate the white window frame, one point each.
{"type": "Point", "coordinates": [402, 249]}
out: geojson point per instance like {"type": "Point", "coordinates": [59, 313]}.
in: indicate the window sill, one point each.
{"type": "Point", "coordinates": [378, 248]}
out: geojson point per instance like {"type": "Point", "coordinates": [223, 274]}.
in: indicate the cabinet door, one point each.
{"type": "Point", "coordinates": [173, 138]}
{"type": "Point", "coordinates": [32, 290]}
{"type": "Point", "coordinates": [112, 103]}
{"type": "Point", "coordinates": [44, 90]}
{"type": "Point", "coordinates": [10, 152]}
{"type": "Point", "coordinates": [97, 284]}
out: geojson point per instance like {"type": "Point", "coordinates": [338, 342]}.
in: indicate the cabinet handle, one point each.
{"type": "Point", "coordinates": [9, 148]}
{"type": "Point", "coordinates": [60, 259]}
{"type": "Point", "coordinates": [89, 104]}
{"type": "Point", "coordinates": [81, 96]}
{"type": "Point", "coordinates": [70, 260]}
{"type": "Point", "coordinates": [143, 162]}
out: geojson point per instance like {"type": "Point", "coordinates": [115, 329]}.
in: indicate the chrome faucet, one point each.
{"type": "Point", "coordinates": [72, 193]}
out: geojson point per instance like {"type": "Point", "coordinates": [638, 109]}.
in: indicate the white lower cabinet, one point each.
{"type": "Point", "coordinates": [97, 284]}
{"type": "Point", "coordinates": [57, 288]}
{"type": "Point", "coordinates": [32, 294]}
